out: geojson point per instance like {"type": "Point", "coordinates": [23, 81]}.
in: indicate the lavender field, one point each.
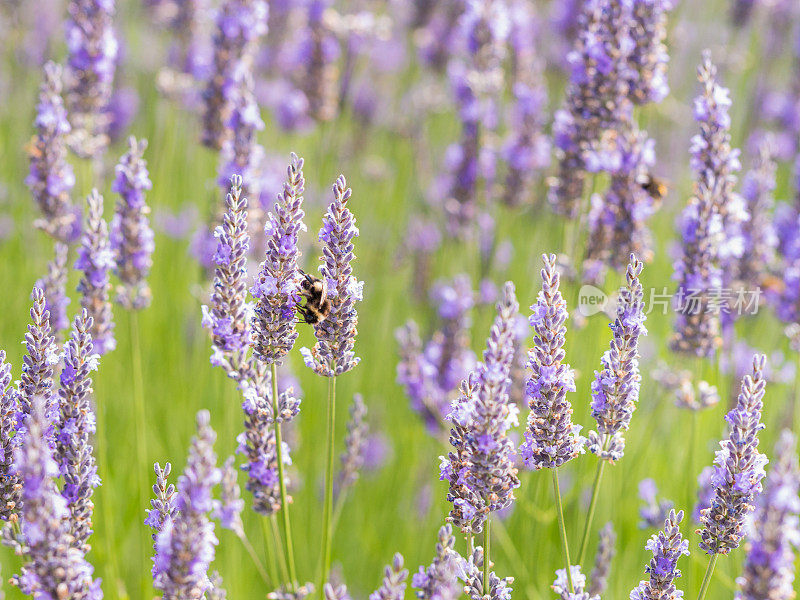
{"type": "Point", "coordinates": [480, 299]}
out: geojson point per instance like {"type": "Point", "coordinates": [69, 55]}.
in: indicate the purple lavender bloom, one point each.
{"type": "Point", "coordinates": [739, 468]}
{"type": "Point", "coordinates": [440, 580]}
{"type": "Point", "coordinates": [229, 509]}
{"type": "Point", "coordinates": [122, 110]}
{"type": "Point", "coordinates": [239, 25]}
{"type": "Point", "coordinates": [474, 586]}
{"type": "Point", "coordinates": [96, 259]}
{"type": "Point", "coordinates": [226, 317]}
{"type": "Point", "coordinates": [185, 544]}
{"type": "Point", "coordinates": [550, 437]}
{"type": "Point", "coordinates": [92, 55]}
{"type": "Point", "coordinates": [773, 532]}
{"type": "Point", "coordinates": [596, 102]}
{"type": "Point", "coordinates": [54, 287]}
{"type": "Point", "coordinates": [54, 567]}
{"type": "Point", "coordinates": [9, 407]}
{"type": "Point", "coordinates": [649, 58]}
{"type": "Point", "coordinates": [315, 58]}
{"type": "Point", "coordinates": [667, 547]}
{"type": "Point", "coordinates": [705, 493]}
{"type": "Point", "coordinates": [162, 507]}
{"type": "Point", "coordinates": [131, 235]}
{"type": "Point", "coordinates": [338, 592]}
{"type": "Point", "coordinates": [561, 585]}
{"type": "Point", "coordinates": [276, 286]}
{"type": "Point", "coordinates": [75, 428]}
{"type": "Point", "coordinates": [190, 52]}
{"type": "Point", "coordinates": [615, 389]}
{"type": "Point", "coordinates": [37, 368]}
{"type": "Point", "coordinates": [606, 550]}
{"type": "Point", "coordinates": [438, 39]}
{"type": "Point", "coordinates": [393, 586]}
{"type": "Point", "coordinates": [654, 510]}
{"type": "Point", "coordinates": [741, 10]}
{"type": "Point", "coordinates": [431, 373]}
{"type": "Point", "coordinates": [355, 443]}
{"type": "Point", "coordinates": [51, 177]}
{"type": "Point", "coordinates": [480, 470]}
{"type": "Point", "coordinates": [333, 354]}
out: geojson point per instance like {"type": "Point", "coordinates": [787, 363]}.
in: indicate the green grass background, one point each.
{"type": "Point", "coordinates": [382, 513]}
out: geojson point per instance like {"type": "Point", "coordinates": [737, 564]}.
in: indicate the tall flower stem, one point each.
{"type": "Point", "coordinates": [139, 409]}
{"type": "Point", "coordinates": [271, 552]}
{"type": "Point", "coordinates": [256, 561]}
{"type": "Point", "coordinates": [276, 538]}
{"type": "Point", "coordinates": [287, 524]}
{"type": "Point", "coordinates": [562, 528]}
{"type": "Point", "coordinates": [327, 508]}
{"type": "Point", "coordinates": [598, 475]}
{"type": "Point", "coordinates": [487, 563]}
{"type": "Point", "coordinates": [707, 577]}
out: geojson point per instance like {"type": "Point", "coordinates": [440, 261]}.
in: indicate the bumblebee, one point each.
{"type": "Point", "coordinates": [317, 307]}
{"type": "Point", "coordinates": [656, 187]}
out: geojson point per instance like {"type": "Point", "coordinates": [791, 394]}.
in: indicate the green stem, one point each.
{"type": "Point", "coordinates": [562, 529]}
{"type": "Point", "coordinates": [328, 501]}
{"type": "Point", "coordinates": [139, 408]}
{"type": "Point", "coordinates": [276, 537]}
{"type": "Point", "coordinates": [592, 505]}
{"type": "Point", "coordinates": [270, 550]}
{"type": "Point", "coordinates": [707, 577]}
{"type": "Point", "coordinates": [256, 561]}
{"type": "Point", "coordinates": [487, 564]}
{"type": "Point", "coordinates": [287, 524]}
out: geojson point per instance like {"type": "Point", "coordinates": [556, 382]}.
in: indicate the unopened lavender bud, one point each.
{"type": "Point", "coordinates": [561, 585]}
{"type": "Point", "coordinates": [667, 547]}
{"type": "Point", "coordinates": [394, 581]}
{"type": "Point", "coordinates": [606, 551]}
{"type": "Point", "coordinates": [355, 442]}
{"type": "Point", "coordinates": [440, 580]}
{"type": "Point", "coordinates": [9, 407]}
{"type": "Point", "coordinates": [335, 592]}
{"type": "Point", "coordinates": [163, 507]}
{"type": "Point", "coordinates": [229, 509]}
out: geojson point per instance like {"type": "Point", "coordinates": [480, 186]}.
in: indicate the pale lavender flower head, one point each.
{"type": "Point", "coordinates": [226, 317]}
{"type": "Point", "coordinates": [229, 509]}
{"type": "Point", "coordinates": [667, 547]}
{"type": "Point", "coordinates": [333, 354]}
{"type": "Point", "coordinates": [335, 592]}
{"type": "Point", "coordinates": [561, 585]}
{"type": "Point", "coordinates": [54, 287]}
{"type": "Point", "coordinates": [355, 443]}
{"type": "Point", "coordinates": [654, 511]}
{"type": "Point", "coordinates": [131, 235]}
{"type": "Point", "coordinates": [51, 177]}
{"type": "Point", "coordinates": [276, 286]}
{"type": "Point", "coordinates": [550, 437]}
{"type": "Point", "coordinates": [440, 580]}
{"type": "Point", "coordinates": [393, 586]}
{"type": "Point", "coordinates": [615, 389]}
{"type": "Point", "coordinates": [162, 507]}
{"type": "Point", "coordinates": [315, 56]}
{"type": "Point", "coordinates": [240, 23]}
{"type": "Point", "coordinates": [36, 380]}
{"type": "Point", "coordinates": [54, 567]}
{"type": "Point", "coordinates": [739, 468]}
{"type": "Point", "coordinates": [649, 57]}
{"type": "Point", "coordinates": [185, 544]}
{"type": "Point", "coordinates": [92, 49]}
{"type": "Point", "coordinates": [474, 586]}
{"type": "Point", "coordinates": [774, 530]}
{"type": "Point", "coordinates": [96, 260]}
{"type": "Point", "coordinates": [480, 469]}
{"type": "Point", "coordinates": [75, 428]}
{"type": "Point", "coordinates": [606, 550]}
{"type": "Point", "coordinates": [9, 407]}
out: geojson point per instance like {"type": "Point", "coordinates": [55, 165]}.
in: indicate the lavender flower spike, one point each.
{"type": "Point", "coordinates": [229, 510]}
{"type": "Point", "coordinates": [95, 259]}
{"type": "Point", "coordinates": [131, 235]}
{"type": "Point", "coordinates": [51, 177]}
{"type": "Point", "coordinates": [185, 545]}
{"type": "Point", "coordinates": [258, 444]}
{"type": "Point", "coordinates": [615, 389]}
{"type": "Point", "coordinates": [394, 581]}
{"type": "Point", "coordinates": [163, 507]}
{"type": "Point", "coordinates": [54, 287]}
{"type": "Point", "coordinates": [92, 48]}
{"type": "Point", "coordinates": [481, 470]}
{"type": "Point", "coordinates": [667, 547]}
{"type": "Point", "coordinates": [602, 562]}
{"type": "Point", "coordinates": [227, 315]}
{"type": "Point", "coordinates": [474, 586]}
{"type": "Point", "coordinates": [355, 444]}
{"type": "Point", "coordinates": [9, 406]}
{"type": "Point", "coordinates": [37, 366]}
{"type": "Point", "coordinates": [561, 585]}
{"type": "Point", "coordinates": [276, 286]}
{"type": "Point", "coordinates": [649, 58]}
{"type": "Point", "coordinates": [440, 580]}
{"type": "Point", "coordinates": [550, 437]}
{"type": "Point", "coordinates": [333, 353]}
{"type": "Point", "coordinates": [55, 567]}
{"type": "Point", "coordinates": [774, 534]}
{"type": "Point", "coordinates": [76, 426]}
{"type": "Point", "coordinates": [739, 468]}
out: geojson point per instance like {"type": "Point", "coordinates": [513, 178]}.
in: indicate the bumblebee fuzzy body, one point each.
{"type": "Point", "coordinates": [317, 307]}
{"type": "Point", "coordinates": [656, 187]}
